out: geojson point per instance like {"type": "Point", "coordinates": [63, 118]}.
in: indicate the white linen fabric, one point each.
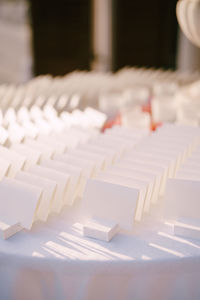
{"type": "Point", "coordinates": [54, 261]}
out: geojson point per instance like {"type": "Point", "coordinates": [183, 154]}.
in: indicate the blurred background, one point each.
{"type": "Point", "coordinates": [41, 37]}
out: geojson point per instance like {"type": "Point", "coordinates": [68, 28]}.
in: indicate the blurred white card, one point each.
{"type": "Point", "coordinates": [32, 155]}
{"type": "Point", "coordinates": [47, 151]}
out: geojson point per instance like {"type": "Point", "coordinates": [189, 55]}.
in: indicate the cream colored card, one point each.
{"type": "Point", "coordinates": [140, 185]}
{"type": "Point", "coordinates": [188, 174]}
{"type": "Point", "coordinates": [71, 140]}
{"type": "Point", "coordinates": [105, 200]}
{"type": "Point", "coordinates": [146, 165]}
{"type": "Point", "coordinates": [62, 181]}
{"type": "Point", "coordinates": [135, 174]}
{"type": "Point", "coordinates": [56, 143]}
{"type": "Point", "coordinates": [98, 160]}
{"type": "Point", "coordinates": [3, 135]}
{"type": "Point", "coordinates": [48, 187]}
{"type": "Point", "coordinates": [117, 150]}
{"type": "Point", "coordinates": [122, 142]}
{"type": "Point", "coordinates": [87, 167]}
{"type": "Point", "coordinates": [161, 157]}
{"type": "Point", "coordinates": [47, 151]}
{"type": "Point", "coordinates": [75, 177]}
{"type": "Point", "coordinates": [18, 202]}
{"type": "Point", "coordinates": [106, 153]}
{"type": "Point", "coordinates": [16, 160]}
{"type": "Point", "coordinates": [182, 199]}
{"type": "Point", "coordinates": [32, 155]}
{"type": "Point", "coordinates": [4, 167]}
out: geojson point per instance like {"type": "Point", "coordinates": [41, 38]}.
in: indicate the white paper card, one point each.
{"type": "Point", "coordinates": [32, 155]}
{"type": "Point", "coordinates": [61, 180]}
{"type": "Point", "coordinates": [16, 160]}
{"type": "Point", "coordinates": [18, 202]}
{"type": "Point", "coordinates": [104, 200]}
{"type": "Point", "coordinates": [48, 187]}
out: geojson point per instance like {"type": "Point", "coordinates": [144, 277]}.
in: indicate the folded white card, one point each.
{"type": "Point", "coordinates": [18, 202]}
{"type": "Point", "coordinates": [139, 185]}
{"type": "Point", "coordinates": [105, 200]}
{"type": "Point", "coordinates": [48, 187]}
{"type": "Point", "coordinates": [56, 143]}
{"type": "Point", "coordinates": [4, 167]}
{"type": "Point", "coordinates": [16, 160]}
{"type": "Point", "coordinates": [62, 181]}
{"type": "Point", "coordinates": [7, 229]}
{"type": "Point", "coordinates": [135, 174]}
{"type": "Point", "coordinates": [47, 151]}
{"type": "Point", "coordinates": [32, 155]}
{"type": "Point", "coordinates": [73, 172]}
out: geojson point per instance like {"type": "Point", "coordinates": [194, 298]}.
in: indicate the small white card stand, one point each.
{"type": "Point", "coordinates": [48, 187]}
{"type": "Point", "coordinates": [4, 167]}
{"type": "Point", "coordinates": [16, 160]}
{"type": "Point", "coordinates": [75, 176]}
{"type": "Point", "coordinates": [100, 229]}
{"type": "Point", "coordinates": [182, 199]}
{"type": "Point", "coordinates": [47, 151]}
{"type": "Point", "coordinates": [8, 229]}
{"type": "Point", "coordinates": [33, 156]}
{"type": "Point", "coordinates": [3, 135]}
{"type": "Point", "coordinates": [139, 185]}
{"type": "Point", "coordinates": [71, 140]}
{"type": "Point", "coordinates": [18, 202]}
{"type": "Point", "coordinates": [62, 181]}
{"type": "Point", "coordinates": [104, 200]}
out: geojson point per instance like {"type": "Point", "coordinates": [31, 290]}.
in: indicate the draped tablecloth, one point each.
{"type": "Point", "coordinates": [54, 261]}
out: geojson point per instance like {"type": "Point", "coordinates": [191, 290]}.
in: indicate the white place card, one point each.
{"type": "Point", "coordinates": [117, 150]}
{"type": "Point", "coordinates": [182, 199]}
{"type": "Point", "coordinates": [55, 143]}
{"type": "Point", "coordinates": [62, 181]}
{"type": "Point", "coordinates": [16, 160]}
{"type": "Point", "coordinates": [3, 135]}
{"type": "Point", "coordinates": [135, 174]}
{"type": "Point", "coordinates": [139, 185]}
{"type": "Point", "coordinates": [71, 140]}
{"type": "Point", "coordinates": [104, 200]}
{"type": "Point", "coordinates": [97, 159]}
{"type": "Point", "coordinates": [87, 167]}
{"type": "Point", "coordinates": [32, 155]}
{"type": "Point", "coordinates": [108, 154]}
{"type": "Point", "coordinates": [48, 187]}
{"type": "Point", "coordinates": [155, 172]}
{"type": "Point", "coordinates": [75, 178]}
{"type": "Point", "coordinates": [4, 167]}
{"type": "Point", "coordinates": [18, 202]}
{"type": "Point", "coordinates": [47, 151]}
{"type": "Point", "coordinates": [100, 229]}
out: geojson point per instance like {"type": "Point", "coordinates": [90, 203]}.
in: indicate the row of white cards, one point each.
{"type": "Point", "coordinates": [57, 168]}
{"type": "Point", "coordinates": [15, 126]}
{"type": "Point", "coordinates": [182, 204]}
{"type": "Point", "coordinates": [125, 171]}
{"type": "Point", "coordinates": [126, 190]}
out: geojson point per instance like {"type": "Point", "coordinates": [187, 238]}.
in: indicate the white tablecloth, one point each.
{"type": "Point", "coordinates": [54, 261]}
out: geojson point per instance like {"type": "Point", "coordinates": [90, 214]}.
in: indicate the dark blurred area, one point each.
{"type": "Point", "coordinates": [144, 33]}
